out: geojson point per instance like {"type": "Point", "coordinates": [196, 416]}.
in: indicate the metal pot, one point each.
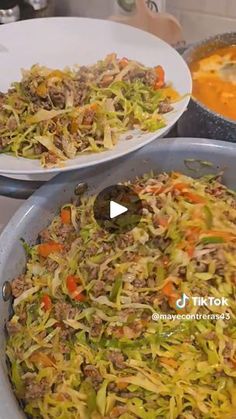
{"type": "Point", "coordinates": [37, 212]}
{"type": "Point", "coordinates": [199, 121]}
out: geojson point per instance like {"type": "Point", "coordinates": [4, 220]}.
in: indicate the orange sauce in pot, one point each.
{"type": "Point", "coordinates": [214, 81]}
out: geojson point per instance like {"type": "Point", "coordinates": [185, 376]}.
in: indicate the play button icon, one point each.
{"type": "Point", "coordinates": [117, 209]}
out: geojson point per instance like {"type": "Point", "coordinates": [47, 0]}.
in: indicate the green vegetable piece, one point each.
{"type": "Point", "coordinates": [208, 217]}
{"type": "Point", "coordinates": [91, 397]}
{"type": "Point", "coordinates": [101, 398]}
{"type": "Point", "coordinates": [116, 288]}
{"type": "Point", "coordinates": [16, 377]}
{"type": "Point", "coordinates": [212, 240]}
{"type": "Point", "coordinates": [26, 247]}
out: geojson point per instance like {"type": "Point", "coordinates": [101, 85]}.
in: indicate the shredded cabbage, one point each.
{"type": "Point", "coordinates": [82, 343]}
{"type": "Point", "coordinates": [55, 115]}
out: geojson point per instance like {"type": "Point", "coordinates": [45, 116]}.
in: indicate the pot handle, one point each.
{"type": "Point", "coordinates": [18, 189]}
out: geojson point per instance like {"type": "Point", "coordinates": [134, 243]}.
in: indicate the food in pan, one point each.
{"type": "Point", "coordinates": [55, 115]}
{"type": "Point", "coordinates": [214, 81]}
{"type": "Point", "coordinates": [83, 341]}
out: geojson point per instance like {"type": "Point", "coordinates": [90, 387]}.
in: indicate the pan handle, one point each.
{"type": "Point", "coordinates": [18, 189]}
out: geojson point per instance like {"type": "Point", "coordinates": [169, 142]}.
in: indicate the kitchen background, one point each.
{"type": "Point", "coordinates": [199, 18]}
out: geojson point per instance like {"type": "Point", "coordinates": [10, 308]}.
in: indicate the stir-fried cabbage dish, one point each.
{"type": "Point", "coordinates": [55, 115]}
{"type": "Point", "coordinates": [82, 340]}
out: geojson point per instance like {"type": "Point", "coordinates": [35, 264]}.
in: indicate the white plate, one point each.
{"type": "Point", "coordinates": [58, 42]}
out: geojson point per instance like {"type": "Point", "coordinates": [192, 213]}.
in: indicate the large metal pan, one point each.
{"type": "Point", "coordinates": [199, 120]}
{"type": "Point", "coordinates": [36, 213]}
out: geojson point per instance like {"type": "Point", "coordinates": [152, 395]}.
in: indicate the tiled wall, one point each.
{"type": "Point", "coordinates": [201, 18]}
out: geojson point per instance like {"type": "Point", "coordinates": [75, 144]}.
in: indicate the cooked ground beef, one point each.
{"type": "Point", "coordinates": [118, 411]}
{"type": "Point", "coordinates": [106, 81]}
{"type": "Point", "coordinates": [150, 77]}
{"type": "Point", "coordinates": [89, 117]}
{"type": "Point", "coordinates": [58, 97]}
{"type": "Point", "coordinates": [12, 123]}
{"type": "Point", "coordinates": [96, 327]}
{"type": "Point", "coordinates": [98, 288]}
{"type": "Point", "coordinates": [12, 328]}
{"type": "Point", "coordinates": [93, 374]}
{"type": "Point", "coordinates": [39, 149]}
{"type": "Point", "coordinates": [165, 106]}
{"type": "Point", "coordinates": [50, 158]}
{"type": "Point", "coordinates": [4, 142]}
{"type": "Point", "coordinates": [117, 359]}
{"type": "Point", "coordinates": [65, 311]}
{"type": "Point", "coordinates": [17, 286]}
{"type": "Point", "coordinates": [45, 236]}
{"type": "Point", "coordinates": [64, 230]}
{"type": "Point", "coordinates": [51, 265]}
{"type": "Point", "coordinates": [2, 96]}
{"type": "Point", "coordinates": [139, 283]}
{"type": "Point", "coordinates": [33, 389]}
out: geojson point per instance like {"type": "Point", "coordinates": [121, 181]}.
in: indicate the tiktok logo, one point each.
{"type": "Point", "coordinates": [182, 302]}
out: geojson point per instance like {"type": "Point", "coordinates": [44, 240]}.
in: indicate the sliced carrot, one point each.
{"type": "Point", "coordinates": [190, 250]}
{"type": "Point", "coordinates": [172, 299]}
{"type": "Point", "coordinates": [163, 221]}
{"type": "Point", "coordinates": [193, 230]}
{"type": "Point", "coordinates": [217, 233]}
{"type": "Point", "coordinates": [170, 362]}
{"type": "Point", "coordinates": [191, 196]}
{"type": "Point", "coordinates": [45, 249]}
{"type": "Point", "coordinates": [171, 293]}
{"type": "Point", "coordinates": [175, 175]}
{"type": "Point", "coordinates": [72, 286]}
{"type": "Point", "coordinates": [180, 186]}
{"type": "Point", "coordinates": [160, 80]}
{"type": "Point", "coordinates": [71, 283]}
{"type": "Point", "coordinates": [80, 297]}
{"type": "Point", "coordinates": [192, 234]}
{"type": "Point", "coordinates": [93, 106]}
{"type": "Point", "coordinates": [121, 385]}
{"type": "Point", "coordinates": [74, 126]}
{"type": "Point", "coordinates": [61, 398]}
{"type": "Point", "coordinates": [233, 278]}
{"type": "Point", "coordinates": [56, 73]}
{"type": "Point", "coordinates": [168, 290]}
{"type": "Point", "coordinates": [195, 198]}
{"type": "Point", "coordinates": [47, 302]}
{"type": "Point", "coordinates": [66, 216]}
{"type": "Point", "coordinates": [39, 358]}
{"type": "Point", "coordinates": [42, 90]}
{"type": "Point", "coordinates": [233, 362]}
{"type": "Point", "coordinates": [155, 189]}
{"type": "Point", "coordinates": [106, 80]}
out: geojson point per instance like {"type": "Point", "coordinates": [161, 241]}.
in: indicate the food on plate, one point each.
{"type": "Point", "coordinates": [214, 81]}
{"type": "Point", "coordinates": [55, 115]}
{"type": "Point", "coordinates": [82, 340]}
